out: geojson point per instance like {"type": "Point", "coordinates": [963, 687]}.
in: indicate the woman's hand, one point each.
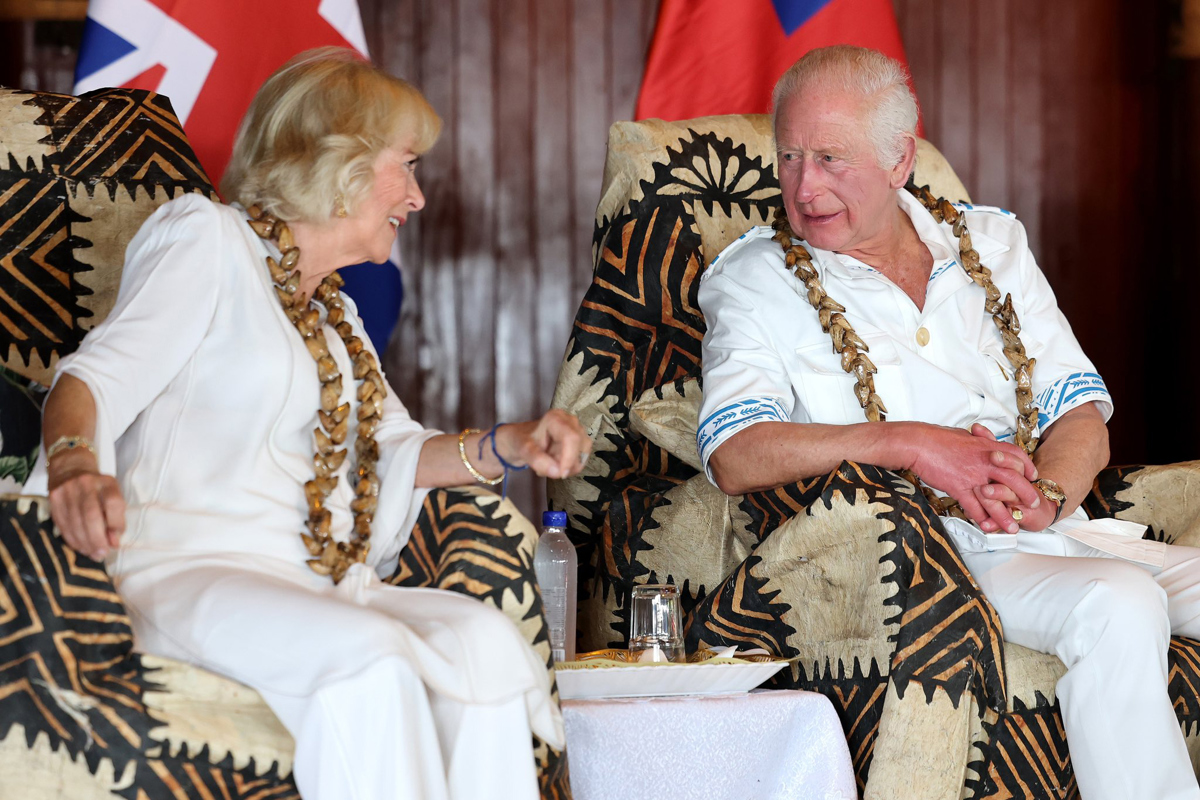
{"type": "Point", "coordinates": [555, 446]}
{"type": "Point", "coordinates": [86, 506]}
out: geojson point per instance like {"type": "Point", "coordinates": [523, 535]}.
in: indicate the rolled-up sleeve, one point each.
{"type": "Point", "coordinates": [745, 381]}
{"type": "Point", "coordinates": [1064, 378]}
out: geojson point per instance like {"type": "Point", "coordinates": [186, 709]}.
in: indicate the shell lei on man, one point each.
{"type": "Point", "coordinates": [330, 557]}
{"type": "Point", "coordinates": [853, 349]}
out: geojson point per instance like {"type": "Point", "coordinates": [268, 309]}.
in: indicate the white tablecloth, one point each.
{"type": "Point", "coordinates": [765, 745]}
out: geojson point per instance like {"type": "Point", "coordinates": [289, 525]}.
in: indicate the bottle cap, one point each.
{"type": "Point", "coordinates": [554, 519]}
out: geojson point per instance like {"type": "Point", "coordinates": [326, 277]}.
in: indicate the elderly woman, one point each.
{"type": "Point", "coordinates": [224, 440]}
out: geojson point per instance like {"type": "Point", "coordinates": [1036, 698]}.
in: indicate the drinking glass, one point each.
{"type": "Point", "coordinates": [656, 623]}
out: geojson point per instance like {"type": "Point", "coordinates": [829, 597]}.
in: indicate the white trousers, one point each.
{"type": "Point", "coordinates": [1110, 621]}
{"type": "Point", "coordinates": [382, 735]}
{"type": "Point", "coordinates": [389, 693]}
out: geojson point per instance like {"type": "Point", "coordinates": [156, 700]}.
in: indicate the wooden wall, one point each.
{"type": "Point", "coordinates": [1057, 111]}
{"type": "Point", "coordinates": [1067, 112]}
{"type": "Point", "coordinates": [495, 270]}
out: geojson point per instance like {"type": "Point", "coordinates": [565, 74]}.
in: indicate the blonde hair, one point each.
{"type": "Point", "coordinates": [311, 136]}
{"type": "Point", "coordinates": [883, 82]}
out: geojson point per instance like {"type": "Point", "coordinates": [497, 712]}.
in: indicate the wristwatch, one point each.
{"type": "Point", "coordinates": [1052, 492]}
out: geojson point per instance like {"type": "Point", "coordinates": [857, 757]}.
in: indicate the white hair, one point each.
{"type": "Point", "coordinates": [881, 81]}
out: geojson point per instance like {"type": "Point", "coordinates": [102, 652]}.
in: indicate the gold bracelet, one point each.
{"type": "Point", "coordinates": [69, 443]}
{"type": "Point", "coordinates": [462, 453]}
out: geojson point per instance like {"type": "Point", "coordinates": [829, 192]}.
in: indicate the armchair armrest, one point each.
{"type": "Point", "coordinates": [73, 689]}
{"type": "Point", "coordinates": [1165, 498]}
{"type": "Point", "coordinates": [869, 576]}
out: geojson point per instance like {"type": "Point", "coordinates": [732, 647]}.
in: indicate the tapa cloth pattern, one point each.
{"type": "Point", "coordinates": [83, 715]}
{"type": "Point", "coordinates": [78, 176]}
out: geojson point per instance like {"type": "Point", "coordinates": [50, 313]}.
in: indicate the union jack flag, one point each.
{"type": "Point", "coordinates": [209, 57]}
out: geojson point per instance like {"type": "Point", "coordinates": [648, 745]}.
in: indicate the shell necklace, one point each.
{"type": "Point", "coordinates": [330, 557]}
{"type": "Point", "coordinates": [853, 350]}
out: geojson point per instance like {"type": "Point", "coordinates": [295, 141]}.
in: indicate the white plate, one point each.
{"type": "Point", "coordinates": [659, 680]}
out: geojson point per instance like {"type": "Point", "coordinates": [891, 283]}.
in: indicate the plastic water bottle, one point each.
{"type": "Point", "coordinates": [555, 565]}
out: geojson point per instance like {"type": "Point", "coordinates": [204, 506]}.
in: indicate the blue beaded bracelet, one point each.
{"type": "Point", "coordinates": [507, 466]}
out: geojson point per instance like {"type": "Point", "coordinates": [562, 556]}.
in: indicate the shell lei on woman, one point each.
{"type": "Point", "coordinates": [853, 350]}
{"type": "Point", "coordinates": [330, 557]}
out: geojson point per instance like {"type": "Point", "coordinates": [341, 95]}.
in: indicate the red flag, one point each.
{"type": "Point", "coordinates": [719, 57]}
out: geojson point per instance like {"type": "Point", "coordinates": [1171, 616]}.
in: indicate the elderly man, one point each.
{"type": "Point", "coordinates": [870, 303]}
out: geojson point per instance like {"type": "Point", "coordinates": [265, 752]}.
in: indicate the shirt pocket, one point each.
{"type": "Point", "coordinates": [1000, 384]}
{"type": "Point", "coordinates": [826, 391]}
{"type": "Point", "coordinates": [998, 373]}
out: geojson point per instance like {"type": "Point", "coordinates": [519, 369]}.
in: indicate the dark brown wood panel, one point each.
{"type": "Point", "coordinates": [496, 264]}
{"type": "Point", "coordinates": [1054, 111]}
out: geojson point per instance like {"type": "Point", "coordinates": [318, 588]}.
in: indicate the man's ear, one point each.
{"type": "Point", "coordinates": [904, 168]}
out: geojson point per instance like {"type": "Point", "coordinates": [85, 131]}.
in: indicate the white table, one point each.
{"type": "Point", "coordinates": [765, 745]}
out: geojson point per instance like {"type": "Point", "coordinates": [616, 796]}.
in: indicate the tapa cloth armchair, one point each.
{"type": "Point", "coordinates": [83, 714]}
{"type": "Point", "coordinates": [870, 599]}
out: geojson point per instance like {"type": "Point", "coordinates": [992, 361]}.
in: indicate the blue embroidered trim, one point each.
{"type": "Point", "coordinates": [724, 422]}
{"type": "Point", "coordinates": [952, 263]}
{"type": "Point", "coordinates": [987, 209]}
{"type": "Point", "coordinates": [1068, 393]}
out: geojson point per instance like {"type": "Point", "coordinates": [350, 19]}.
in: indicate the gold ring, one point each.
{"type": "Point", "coordinates": [1016, 514]}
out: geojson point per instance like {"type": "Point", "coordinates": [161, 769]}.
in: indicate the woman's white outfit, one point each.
{"type": "Point", "coordinates": [206, 401]}
{"type": "Point", "coordinates": [1092, 592]}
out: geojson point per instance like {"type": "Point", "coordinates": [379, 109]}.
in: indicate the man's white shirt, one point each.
{"type": "Point", "coordinates": [766, 358]}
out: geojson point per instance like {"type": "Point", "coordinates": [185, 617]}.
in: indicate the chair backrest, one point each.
{"type": "Point", "coordinates": [674, 195]}
{"type": "Point", "coordinates": [78, 176]}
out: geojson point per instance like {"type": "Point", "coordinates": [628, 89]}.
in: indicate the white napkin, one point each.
{"type": "Point", "coordinates": [1116, 537]}
{"type": "Point", "coordinates": [732, 651]}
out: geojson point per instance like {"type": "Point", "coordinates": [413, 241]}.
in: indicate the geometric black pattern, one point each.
{"type": "Point", "coordinates": [640, 321]}
{"type": "Point", "coordinates": [462, 545]}
{"type": "Point", "coordinates": [946, 634]}
{"type": "Point", "coordinates": [1183, 682]}
{"type": "Point", "coordinates": [1025, 756]}
{"type": "Point", "coordinates": [39, 288]}
{"type": "Point", "coordinates": [857, 696]}
{"type": "Point", "coordinates": [118, 139]}
{"type": "Point", "coordinates": [69, 673]}
{"type": "Point", "coordinates": [100, 151]}
{"type": "Point", "coordinates": [61, 627]}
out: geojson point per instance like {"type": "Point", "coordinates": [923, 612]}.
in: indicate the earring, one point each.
{"type": "Point", "coordinates": [339, 205]}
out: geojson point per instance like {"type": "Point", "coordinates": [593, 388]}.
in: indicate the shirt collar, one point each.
{"type": "Point", "coordinates": [938, 237]}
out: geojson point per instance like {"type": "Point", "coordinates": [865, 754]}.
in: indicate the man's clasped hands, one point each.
{"type": "Point", "coordinates": [989, 478]}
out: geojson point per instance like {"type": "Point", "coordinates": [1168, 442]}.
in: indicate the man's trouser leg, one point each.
{"type": "Point", "coordinates": [1110, 621]}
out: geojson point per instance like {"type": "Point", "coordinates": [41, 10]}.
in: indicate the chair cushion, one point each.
{"type": "Point", "coordinates": [78, 176]}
